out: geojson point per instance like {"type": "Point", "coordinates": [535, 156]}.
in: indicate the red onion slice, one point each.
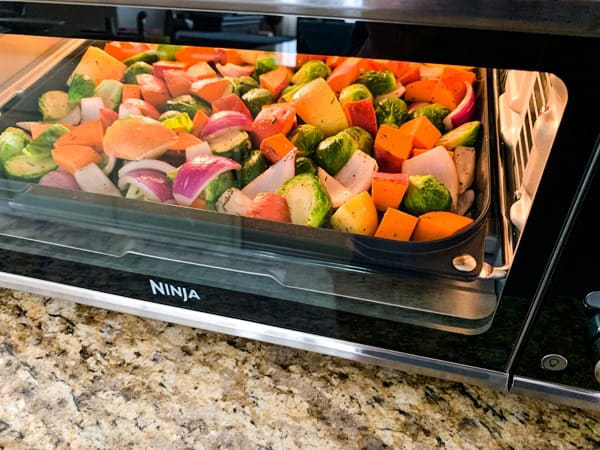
{"type": "Point", "coordinates": [223, 121]}
{"type": "Point", "coordinates": [154, 184]}
{"type": "Point", "coordinates": [146, 164]}
{"type": "Point", "coordinates": [463, 111]}
{"type": "Point", "coordinates": [193, 176]}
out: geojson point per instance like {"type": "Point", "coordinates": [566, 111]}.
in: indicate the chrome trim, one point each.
{"type": "Point", "coordinates": [266, 333]}
{"type": "Point", "coordinates": [556, 393]}
{"type": "Point", "coordinates": [555, 17]}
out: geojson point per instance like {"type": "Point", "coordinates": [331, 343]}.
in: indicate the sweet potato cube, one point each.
{"type": "Point", "coordinates": [275, 147]}
{"type": "Point", "coordinates": [423, 132]}
{"type": "Point", "coordinates": [388, 189]}
{"type": "Point", "coordinates": [397, 225]}
{"type": "Point", "coordinates": [392, 148]}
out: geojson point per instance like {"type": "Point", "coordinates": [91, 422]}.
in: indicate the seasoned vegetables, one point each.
{"type": "Point", "coordinates": [323, 142]}
{"type": "Point", "coordinates": [425, 193]}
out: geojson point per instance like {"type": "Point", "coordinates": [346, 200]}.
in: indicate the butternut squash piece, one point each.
{"type": "Point", "coordinates": [275, 147]}
{"type": "Point", "coordinates": [439, 225]}
{"type": "Point", "coordinates": [275, 80]}
{"type": "Point", "coordinates": [73, 157]}
{"type": "Point", "coordinates": [423, 132]}
{"type": "Point", "coordinates": [419, 91]}
{"type": "Point", "coordinates": [392, 148]}
{"type": "Point", "coordinates": [397, 225]}
{"type": "Point", "coordinates": [88, 133]}
{"type": "Point", "coordinates": [388, 189]}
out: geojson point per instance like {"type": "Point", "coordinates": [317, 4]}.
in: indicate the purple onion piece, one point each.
{"type": "Point", "coordinates": [193, 176]}
{"type": "Point", "coordinates": [145, 164]}
{"type": "Point", "coordinates": [154, 184]}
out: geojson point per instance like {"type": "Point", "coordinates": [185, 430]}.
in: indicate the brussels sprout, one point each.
{"type": "Point", "coordinates": [253, 166]}
{"type": "Point", "coordinates": [378, 82]}
{"type": "Point", "coordinates": [111, 92]}
{"type": "Point", "coordinates": [363, 139]}
{"type": "Point", "coordinates": [307, 199]}
{"type": "Point", "coordinates": [355, 92]}
{"type": "Point", "coordinates": [29, 168]}
{"type": "Point", "coordinates": [188, 103]}
{"type": "Point", "coordinates": [392, 111]}
{"type": "Point", "coordinates": [289, 91]}
{"type": "Point", "coordinates": [148, 57]}
{"type": "Point", "coordinates": [264, 65]}
{"type": "Point", "coordinates": [135, 69]}
{"type": "Point", "coordinates": [168, 51]}
{"type": "Point", "coordinates": [42, 145]}
{"type": "Point", "coordinates": [467, 135]}
{"type": "Point", "coordinates": [243, 84]}
{"type": "Point", "coordinates": [305, 165]}
{"type": "Point", "coordinates": [216, 187]}
{"type": "Point", "coordinates": [310, 70]}
{"type": "Point", "coordinates": [425, 193]}
{"type": "Point", "coordinates": [54, 105]}
{"type": "Point", "coordinates": [256, 98]}
{"type": "Point", "coordinates": [305, 138]}
{"type": "Point", "coordinates": [177, 120]}
{"type": "Point", "coordinates": [333, 152]}
{"type": "Point", "coordinates": [82, 86]}
{"type": "Point", "coordinates": [12, 142]}
{"type": "Point", "coordinates": [435, 113]}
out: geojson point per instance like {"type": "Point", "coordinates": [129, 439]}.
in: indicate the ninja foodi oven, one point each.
{"type": "Point", "coordinates": [389, 182]}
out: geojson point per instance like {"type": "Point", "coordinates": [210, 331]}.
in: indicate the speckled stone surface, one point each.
{"type": "Point", "coordinates": [76, 377]}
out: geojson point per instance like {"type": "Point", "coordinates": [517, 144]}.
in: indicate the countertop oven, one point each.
{"type": "Point", "coordinates": [507, 300]}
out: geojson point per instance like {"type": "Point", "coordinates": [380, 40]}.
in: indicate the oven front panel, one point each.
{"type": "Point", "coordinates": [459, 331]}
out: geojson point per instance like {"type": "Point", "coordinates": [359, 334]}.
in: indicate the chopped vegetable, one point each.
{"type": "Point", "coordinates": [269, 206]}
{"type": "Point", "coordinates": [189, 104]}
{"type": "Point", "coordinates": [333, 152]}
{"type": "Point", "coordinates": [362, 137]}
{"type": "Point", "coordinates": [224, 121]}
{"type": "Point", "coordinates": [388, 189]}
{"type": "Point", "coordinates": [439, 224]}
{"type": "Point", "coordinates": [98, 65]}
{"type": "Point", "coordinates": [12, 142]}
{"type": "Point", "coordinates": [306, 138]}
{"type": "Point", "coordinates": [392, 148]}
{"type": "Point", "coordinates": [310, 70]}
{"type": "Point", "coordinates": [466, 134]}
{"type": "Point", "coordinates": [361, 113]}
{"type": "Point", "coordinates": [316, 103]}
{"type": "Point", "coordinates": [419, 91]}
{"type": "Point", "coordinates": [136, 69]}
{"type": "Point", "coordinates": [92, 179]}
{"type": "Point", "coordinates": [216, 187]}
{"type": "Point", "coordinates": [425, 193]}
{"type": "Point", "coordinates": [75, 156]}
{"type": "Point", "coordinates": [336, 190]}
{"type": "Point", "coordinates": [275, 80]}
{"type": "Point", "coordinates": [378, 82]}
{"type": "Point", "coordinates": [42, 144]}
{"type": "Point", "coordinates": [231, 102]}
{"type": "Point", "coordinates": [211, 89]}
{"type": "Point", "coordinates": [356, 175]}
{"type": "Point", "coordinates": [253, 166]}
{"type": "Point", "coordinates": [243, 84]}
{"type": "Point", "coordinates": [264, 65]}
{"type": "Point", "coordinates": [177, 120]}
{"type": "Point", "coordinates": [307, 199]}
{"type": "Point", "coordinates": [391, 111]}
{"type": "Point", "coordinates": [193, 176]}
{"type": "Point", "coordinates": [423, 132]}
{"type": "Point", "coordinates": [89, 133]}
{"type": "Point", "coordinates": [463, 111]}
{"type": "Point", "coordinates": [61, 179]}
{"type": "Point", "coordinates": [233, 143]}
{"type": "Point", "coordinates": [233, 201]}
{"type": "Point", "coordinates": [137, 137]}
{"type": "Point", "coordinates": [358, 215]}
{"type": "Point", "coordinates": [273, 119]}
{"type": "Point", "coordinates": [354, 92]}
{"type": "Point", "coordinates": [434, 112]}
{"type": "Point", "coordinates": [111, 92]}
{"type": "Point", "coordinates": [274, 177]}
{"type": "Point", "coordinates": [396, 225]}
{"type": "Point", "coordinates": [28, 168]}
{"type": "Point", "coordinates": [256, 98]}
{"type": "Point", "coordinates": [54, 105]}
{"type": "Point", "coordinates": [275, 147]}
{"type": "Point", "coordinates": [464, 158]}
{"type": "Point", "coordinates": [305, 165]}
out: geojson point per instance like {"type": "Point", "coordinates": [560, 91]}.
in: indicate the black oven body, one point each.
{"type": "Point", "coordinates": [541, 311]}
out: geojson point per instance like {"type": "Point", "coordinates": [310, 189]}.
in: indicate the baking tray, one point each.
{"type": "Point", "coordinates": [200, 228]}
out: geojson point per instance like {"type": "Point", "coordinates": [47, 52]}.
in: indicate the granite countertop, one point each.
{"type": "Point", "coordinates": [76, 377]}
